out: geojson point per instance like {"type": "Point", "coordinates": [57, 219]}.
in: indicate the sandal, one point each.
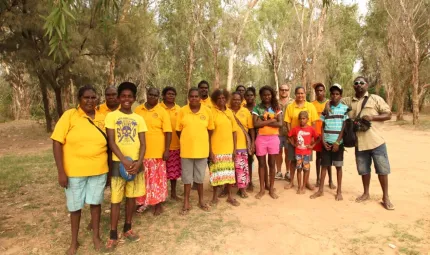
{"type": "Point", "coordinates": [205, 207]}
{"type": "Point", "coordinates": [141, 208]}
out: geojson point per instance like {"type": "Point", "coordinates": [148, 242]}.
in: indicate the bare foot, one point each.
{"type": "Point", "coordinates": [363, 198]}
{"type": "Point", "coordinates": [317, 183]}
{"type": "Point", "coordinates": [175, 198]}
{"type": "Point", "coordinates": [273, 194]}
{"type": "Point", "coordinates": [214, 201]}
{"type": "Point", "coordinates": [72, 249]}
{"type": "Point", "coordinates": [289, 186]}
{"type": "Point", "coordinates": [250, 188]}
{"type": "Point", "coordinates": [302, 191]}
{"type": "Point", "coordinates": [331, 185]}
{"type": "Point", "coordinates": [97, 243]}
{"type": "Point", "coordinates": [386, 203]}
{"type": "Point", "coordinates": [223, 193]}
{"type": "Point", "coordinates": [310, 186]}
{"type": "Point", "coordinates": [298, 192]}
{"type": "Point", "coordinates": [233, 202]}
{"type": "Point", "coordinates": [317, 194]}
{"type": "Point", "coordinates": [158, 209]}
{"type": "Point", "coordinates": [260, 194]}
{"type": "Point", "coordinates": [338, 197]}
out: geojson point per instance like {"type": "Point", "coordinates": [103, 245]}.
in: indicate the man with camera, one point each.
{"type": "Point", "coordinates": [370, 112]}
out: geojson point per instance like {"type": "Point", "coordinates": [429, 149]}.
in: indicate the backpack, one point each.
{"type": "Point", "coordinates": [349, 135]}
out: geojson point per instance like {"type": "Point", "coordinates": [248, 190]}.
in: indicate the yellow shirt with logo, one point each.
{"type": "Point", "coordinates": [207, 102]}
{"type": "Point", "coordinates": [126, 127]}
{"type": "Point", "coordinates": [84, 147]}
{"type": "Point", "coordinates": [173, 113]}
{"type": "Point", "coordinates": [158, 122]}
{"type": "Point", "coordinates": [222, 137]}
{"type": "Point", "coordinates": [103, 108]}
{"type": "Point", "coordinates": [245, 118]}
{"type": "Point", "coordinates": [292, 113]}
{"type": "Point", "coordinates": [194, 128]}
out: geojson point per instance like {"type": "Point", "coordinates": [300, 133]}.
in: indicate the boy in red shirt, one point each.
{"type": "Point", "coordinates": [303, 138]}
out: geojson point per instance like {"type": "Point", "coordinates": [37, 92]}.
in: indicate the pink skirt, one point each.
{"type": "Point", "coordinates": [173, 165]}
{"type": "Point", "coordinates": [156, 182]}
{"type": "Point", "coordinates": [241, 169]}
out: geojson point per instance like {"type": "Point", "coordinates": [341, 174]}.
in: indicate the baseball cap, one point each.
{"type": "Point", "coordinates": [337, 86]}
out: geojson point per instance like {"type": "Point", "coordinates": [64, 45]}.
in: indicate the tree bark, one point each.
{"type": "Point", "coordinates": [45, 99]}
{"type": "Point", "coordinates": [58, 101]}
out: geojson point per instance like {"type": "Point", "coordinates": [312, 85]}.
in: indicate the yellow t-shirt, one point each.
{"type": "Point", "coordinates": [173, 113]}
{"type": "Point", "coordinates": [194, 128]}
{"type": "Point", "coordinates": [103, 108]}
{"type": "Point", "coordinates": [207, 102]}
{"type": "Point", "coordinates": [320, 108]}
{"type": "Point", "coordinates": [245, 118]}
{"type": "Point", "coordinates": [292, 113]}
{"type": "Point", "coordinates": [158, 122]}
{"type": "Point", "coordinates": [126, 127]}
{"type": "Point", "coordinates": [84, 147]}
{"type": "Point", "coordinates": [222, 137]}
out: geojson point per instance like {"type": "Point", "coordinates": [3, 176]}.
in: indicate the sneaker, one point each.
{"type": "Point", "coordinates": [131, 236]}
{"type": "Point", "coordinates": [110, 246]}
{"type": "Point", "coordinates": [278, 175]}
{"type": "Point", "coordinates": [287, 176]}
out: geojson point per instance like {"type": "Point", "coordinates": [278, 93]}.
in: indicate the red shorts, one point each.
{"type": "Point", "coordinates": [318, 146]}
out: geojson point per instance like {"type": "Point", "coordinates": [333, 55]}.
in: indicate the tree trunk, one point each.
{"type": "Point", "coordinates": [400, 105]}
{"type": "Point", "coordinates": [216, 67]}
{"type": "Point", "coordinates": [190, 63]}
{"type": "Point", "coordinates": [58, 101]}
{"type": "Point", "coordinates": [72, 94]}
{"type": "Point", "coordinates": [45, 100]}
{"type": "Point", "coordinates": [231, 57]}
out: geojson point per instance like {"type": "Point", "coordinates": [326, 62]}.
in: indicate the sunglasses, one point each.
{"type": "Point", "coordinates": [359, 83]}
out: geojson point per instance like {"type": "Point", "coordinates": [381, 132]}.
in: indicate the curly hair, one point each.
{"type": "Point", "coordinates": [252, 89]}
{"type": "Point", "coordinates": [167, 89]}
{"type": "Point", "coordinates": [219, 92]}
{"type": "Point", "coordinates": [274, 102]}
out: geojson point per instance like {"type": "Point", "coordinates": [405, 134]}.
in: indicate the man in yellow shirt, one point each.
{"type": "Point", "coordinates": [320, 103]}
{"type": "Point", "coordinates": [126, 135]}
{"type": "Point", "coordinates": [158, 138]}
{"type": "Point", "coordinates": [194, 128]}
{"type": "Point", "coordinates": [205, 99]}
{"type": "Point", "coordinates": [111, 101]}
{"type": "Point", "coordinates": [173, 164]}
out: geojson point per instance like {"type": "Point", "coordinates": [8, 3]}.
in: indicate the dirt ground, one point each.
{"type": "Point", "coordinates": [34, 220]}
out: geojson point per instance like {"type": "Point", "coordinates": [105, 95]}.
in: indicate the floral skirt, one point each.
{"type": "Point", "coordinates": [242, 170]}
{"type": "Point", "coordinates": [156, 182]}
{"type": "Point", "coordinates": [222, 171]}
{"type": "Point", "coordinates": [173, 165]}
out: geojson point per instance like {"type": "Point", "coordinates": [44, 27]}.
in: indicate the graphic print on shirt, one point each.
{"type": "Point", "coordinates": [268, 114]}
{"type": "Point", "coordinates": [126, 130]}
{"type": "Point", "coordinates": [301, 140]}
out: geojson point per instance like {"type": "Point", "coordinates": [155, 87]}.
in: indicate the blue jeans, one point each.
{"type": "Point", "coordinates": [379, 156]}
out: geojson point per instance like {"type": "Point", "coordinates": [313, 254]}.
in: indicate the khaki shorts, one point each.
{"type": "Point", "coordinates": [193, 170]}
{"type": "Point", "coordinates": [132, 189]}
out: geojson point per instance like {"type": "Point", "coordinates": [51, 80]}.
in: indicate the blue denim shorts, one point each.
{"type": "Point", "coordinates": [379, 155]}
{"type": "Point", "coordinates": [81, 190]}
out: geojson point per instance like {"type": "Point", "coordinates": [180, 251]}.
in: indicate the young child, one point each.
{"type": "Point", "coordinates": [126, 135]}
{"type": "Point", "coordinates": [303, 138]}
{"type": "Point", "coordinates": [332, 131]}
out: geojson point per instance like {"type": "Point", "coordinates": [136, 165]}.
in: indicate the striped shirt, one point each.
{"type": "Point", "coordinates": [333, 122]}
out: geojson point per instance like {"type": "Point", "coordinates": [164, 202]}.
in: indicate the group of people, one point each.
{"type": "Point", "coordinates": [160, 141]}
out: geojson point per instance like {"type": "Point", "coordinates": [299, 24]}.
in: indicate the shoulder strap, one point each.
{"type": "Point", "coordinates": [104, 135]}
{"type": "Point", "coordinates": [362, 105]}
{"type": "Point", "coordinates": [247, 137]}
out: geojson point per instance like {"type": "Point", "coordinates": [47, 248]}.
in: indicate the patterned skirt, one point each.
{"type": "Point", "coordinates": [173, 165]}
{"type": "Point", "coordinates": [156, 182]}
{"type": "Point", "coordinates": [222, 171]}
{"type": "Point", "coordinates": [242, 170]}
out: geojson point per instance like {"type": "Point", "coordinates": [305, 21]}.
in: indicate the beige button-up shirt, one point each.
{"type": "Point", "coordinates": [375, 105]}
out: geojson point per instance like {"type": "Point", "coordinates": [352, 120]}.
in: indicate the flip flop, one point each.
{"type": "Point", "coordinates": [204, 207]}
{"type": "Point", "coordinates": [389, 207]}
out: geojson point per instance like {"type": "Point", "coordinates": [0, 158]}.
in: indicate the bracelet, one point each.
{"type": "Point", "coordinates": [336, 143]}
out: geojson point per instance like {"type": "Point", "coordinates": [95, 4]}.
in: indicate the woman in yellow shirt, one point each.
{"type": "Point", "coordinates": [223, 147]}
{"type": "Point", "coordinates": [292, 120]}
{"type": "Point", "coordinates": [245, 142]}
{"type": "Point", "coordinates": [158, 140]}
{"type": "Point", "coordinates": [80, 152]}
{"type": "Point", "coordinates": [173, 164]}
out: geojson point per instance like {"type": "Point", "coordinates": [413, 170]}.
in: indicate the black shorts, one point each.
{"type": "Point", "coordinates": [329, 158]}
